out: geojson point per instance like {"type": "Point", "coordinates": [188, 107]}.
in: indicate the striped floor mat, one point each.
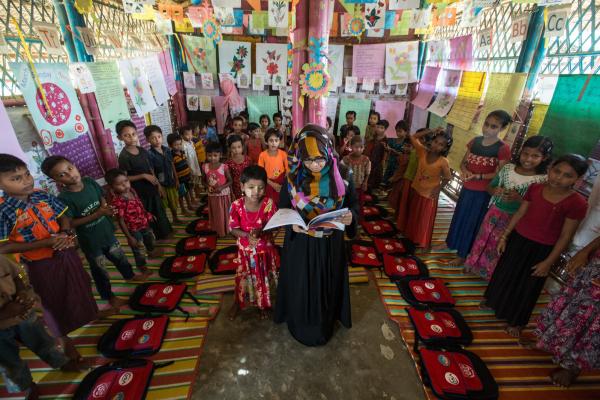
{"type": "Point", "coordinates": [520, 373]}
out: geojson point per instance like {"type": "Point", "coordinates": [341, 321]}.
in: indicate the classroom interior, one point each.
{"type": "Point", "coordinates": [72, 69]}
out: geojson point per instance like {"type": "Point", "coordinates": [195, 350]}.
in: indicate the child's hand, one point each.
{"type": "Point", "coordinates": [467, 175]}
{"type": "Point", "coordinates": [499, 192]}
{"type": "Point", "coordinates": [579, 260]}
{"type": "Point", "coordinates": [133, 243]}
{"type": "Point", "coordinates": [17, 308]}
{"type": "Point", "coordinates": [61, 242]}
{"type": "Point", "coordinates": [346, 219]}
{"type": "Point", "coordinates": [501, 245]}
{"type": "Point", "coordinates": [151, 178]}
{"type": "Point", "coordinates": [299, 229]}
{"type": "Point", "coordinates": [512, 195]}
{"type": "Point", "coordinates": [541, 269]}
{"type": "Point", "coordinates": [161, 191]}
{"type": "Point", "coordinates": [106, 210]}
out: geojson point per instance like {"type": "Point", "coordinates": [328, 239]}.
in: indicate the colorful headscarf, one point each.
{"type": "Point", "coordinates": [314, 193]}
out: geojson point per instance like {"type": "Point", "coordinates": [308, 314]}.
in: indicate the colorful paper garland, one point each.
{"type": "Point", "coordinates": [315, 81]}
{"type": "Point", "coordinates": [212, 30]}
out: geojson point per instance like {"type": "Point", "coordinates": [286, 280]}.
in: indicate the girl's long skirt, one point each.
{"type": "Point", "coordinates": [161, 225]}
{"type": "Point", "coordinates": [512, 291]}
{"type": "Point", "coordinates": [484, 256]}
{"type": "Point", "coordinates": [256, 276]}
{"type": "Point", "coordinates": [468, 215]}
{"type": "Point", "coordinates": [402, 205]}
{"type": "Point", "coordinates": [218, 213]}
{"type": "Point", "coordinates": [419, 226]}
{"type": "Point", "coordinates": [569, 328]}
{"type": "Point", "coordinates": [65, 290]}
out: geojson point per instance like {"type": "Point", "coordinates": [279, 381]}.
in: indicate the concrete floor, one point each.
{"type": "Point", "coordinates": [254, 359]}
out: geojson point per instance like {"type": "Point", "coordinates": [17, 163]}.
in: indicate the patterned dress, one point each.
{"type": "Point", "coordinates": [569, 328]}
{"type": "Point", "coordinates": [256, 276]}
{"type": "Point", "coordinates": [218, 202]}
{"type": "Point", "coordinates": [235, 170]}
{"type": "Point", "coordinates": [483, 257]}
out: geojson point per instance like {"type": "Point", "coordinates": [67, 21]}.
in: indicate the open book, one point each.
{"type": "Point", "coordinates": [288, 216]}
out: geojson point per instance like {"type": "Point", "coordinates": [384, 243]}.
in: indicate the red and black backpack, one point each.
{"type": "Point", "coordinates": [182, 267]}
{"type": "Point", "coordinates": [122, 379]}
{"type": "Point", "coordinates": [159, 297]}
{"type": "Point", "coordinates": [429, 291]}
{"type": "Point", "coordinates": [394, 245]}
{"type": "Point", "coordinates": [224, 261]}
{"type": "Point", "coordinates": [370, 212]}
{"type": "Point", "coordinates": [138, 337]}
{"type": "Point", "coordinates": [196, 244]}
{"type": "Point", "coordinates": [369, 198]}
{"type": "Point", "coordinates": [379, 227]}
{"type": "Point", "coordinates": [199, 227]}
{"type": "Point", "coordinates": [442, 327]}
{"type": "Point", "coordinates": [457, 375]}
{"type": "Point", "coordinates": [398, 267]}
{"type": "Point", "coordinates": [363, 253]}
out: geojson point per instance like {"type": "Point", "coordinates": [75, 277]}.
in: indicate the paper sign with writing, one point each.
{"type": "Point", "coordinates": [161, 116]}
{"type": "Point", "coordinates": [368, 61]}
{"type": "Point", "coordinates": [64, 120]}
{"type": "Point", "coordinates": [82, 77]}
{"type": "Point", "coordinates": [48, 34]}
{"type": "Point", "coordinates": [556, 21]}
{"type": "Point", "coordinates": [418, 120]}
{"type": "Point", "coordinates": [155, 78]}
{"type": "Point", "coordinates": [401, 62]}
{"type": "Point", "coordinates": [467, 100]}
{"type": "Point", "coordinates": [537, 118]}
{"type": "Point", "coordinates": [86, 36]}
{"type": "Point", "coordinates": [137, 84]}
{"type": "Point", "coordinates": [164, 58]}
{"type": "Point", "coordinates": [368, 84]}
{"type": "Point", "coordinates": [351, 84]}
{"type": "Point", "coordinates": [392, 111]}
{"type": "Point", "coordinates": [426, 87]}
{"type": "Point", "coordinates": [484, 40]}
{"type": "Point", "coordinates": [447, 88]}
{"type": "Point", "coordinates": [518, 28]}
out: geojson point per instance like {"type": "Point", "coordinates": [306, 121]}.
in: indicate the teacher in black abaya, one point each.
{"type": "Point", "coordinates": [313, 290]}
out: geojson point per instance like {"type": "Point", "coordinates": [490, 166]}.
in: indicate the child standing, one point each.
{"type": "Point", "coordinates": [376, 153]}
{"type": "Point", "coordinates": [135, 160]}
{"type": "Point", "coordinates": [164, 170]}
{"type": "Point", "coordinates": [507, 189]}
{"type": "Point", "coordinates": [90, 215]}
{"type": "Point", "coordinates": [19, 321]}
{"type": "Point", "coordinates": [200, 134]}
{"type": "Point", "coordinates": [350, 118]}
{"type": "Point", "coordinates": [254, 144]}
{"type": "Point", "coordinates": [211, 130]}
{"type": "Point", "coordinates": [374, 118]}
{"type": "Point", "coordinates": [182, 170]}
{"type": "Point", "coordinates": [34, 227]}
{"type": "Point", "coordinates": [133, 219]}
{"type": "Point", "coordinates": [533, 240]}
{"type": "Point", "coordinates": [257, 273]}
{"type": "Point", "coordinates": [345, 147]}
{"type": "Point", "coordinates": [237, 124]}
{"type": "Point", "coordinates": [192, 159]}
{"type": "Point", "coordinates": [218, 181]}
{"type": "Point", "coordinates": [236, 163]}
{"type": "Point", "coordinates": [265, 122]}
{"type": "Point", "coordinates": [433, 173]}
{"type": "Point", "coordinates": [394, 149]}
{"type": "Point", "coordinates": [360, 166]}
{"type": "Point", "coordinates": [484, 157]}
{"type": "Point", "coordinates": [278, 124]}
{"type": "Point", "coordinates": [275, 162]}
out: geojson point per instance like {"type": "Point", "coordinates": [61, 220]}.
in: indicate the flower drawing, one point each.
{"type": "Point", "coordinates": [315, 81]}
{"type": "Point", "coordinates": [271, 62]}
{"type": "Point", "coordinates": [278, 10]}
{"type": "Point", "coordinates": [237, 63]}
{"type": "Point", "coordinates": [372, 17]}
{"type": "Point", "coordinates": [242, 51]}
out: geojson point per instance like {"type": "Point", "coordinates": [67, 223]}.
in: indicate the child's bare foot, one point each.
{"type": "Point", "coordinates": [107, 313]}
{"type": "Point", "coordinates": [34, 393]}
{"type": "Point", "coordinates": [456, 262]}
{"type": "Point", "coordinates": [233, 311]}
{"type": "Point", "coordinates": [483, 306]}
{"type": "Point", "coordinates": [264, 314]}
{"type": "Point", "coordinates": [138, 278]}
{"type": "Point", "coordinates": [563, 377]}
{"type": "Point", "coordinates": [514, 331]}
{"type": "Point", "coordinates": [117, 302]}
{"type": "Point", "coordinates": [155, 253]}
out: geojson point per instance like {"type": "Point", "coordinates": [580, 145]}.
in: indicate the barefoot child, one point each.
{"type": "Point", "coordinates": [360, 166]}
{"type": "Point", "coordinates": [133, 218]}
{"type": "Point", "coordinates": [34, 227]}
{"type": "Point", "coordinates": [433, 173]}
{"type": "Point", "coordinates": [485, 156]}
{"type": "Point", "coordinates": [236, 163]}
{"type": "Point", "coordinates": [218, 181]}
{"type": "Point", "coordinates": [18, 320]}
{"type": "Point", "coordinates": [533, 240]}
{"type": "Point", "coordinates": [507, 189]}
{"type": "Point", "coordinates": [189, 148]}
{"type": "Point", "coordinates": [275, 162]}
{"type": "Point", "coordinates": [91, 217]}
{"type": "Point", "coordinates": [256, 277]}
{"type": "Point", "coordinates": [376, 153]}
{"type": "Point", "coordinates": [182, 171]}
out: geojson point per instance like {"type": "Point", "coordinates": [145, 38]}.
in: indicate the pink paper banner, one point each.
{"type": "Point", "coordinates": [368, 61]}
{"type": "Point", "coordinates": [167, 68]}
{"type": "Point", "coordinates": [461, 52]}
{"type": "Point", "coordinates": [9, 143]}
{"type": "Point", "coordinates": [392, 111]}
{"type": "Point", "coordinates": [426, 87]}
{"type": "Point", "coordinates": [418, 120]}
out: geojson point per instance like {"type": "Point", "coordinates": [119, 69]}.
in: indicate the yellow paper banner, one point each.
{"type": "Point", "coordinates": [467, 100]}
{"type": "Point", "coordinates": [537, 118]}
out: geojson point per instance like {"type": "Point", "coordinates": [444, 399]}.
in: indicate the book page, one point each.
{"type": "Point", "coordinates": [283, 217]}
{"type": "Point", "coordinates": [327, 220]}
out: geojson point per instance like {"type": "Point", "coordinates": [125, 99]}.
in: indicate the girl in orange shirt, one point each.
{"type": "Point", "coordinates": [275, 162]}
{"type": "Point", "coordinates": [433, 173]}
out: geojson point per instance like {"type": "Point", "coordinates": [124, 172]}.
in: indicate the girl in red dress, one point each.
{"type": "Point", "coordinates": [236, 163]}
{"type": "Point", "coordinates": [218, 181]}
{"type": "Point", "coordinates": [257, 273]}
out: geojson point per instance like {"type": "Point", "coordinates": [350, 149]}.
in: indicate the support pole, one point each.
{"type": "Point", "coordinates": [533, 50]}
{"type": "Point", "coordinates": [178, 98]}
{"type": "Point", "coordinates": [299, 42]}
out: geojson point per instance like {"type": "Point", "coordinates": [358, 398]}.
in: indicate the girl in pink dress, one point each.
{"type": "Point", "coordinates": [236, 163]}
{"type": "Point", "coordinates": [218, 180]}
{"type": "Point", "coordinates": [257, 274]}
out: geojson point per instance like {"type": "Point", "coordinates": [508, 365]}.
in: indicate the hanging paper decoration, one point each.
{"type": "Point", "coordinates": [356, 26]}
{"type": "Point", "coordinates": [48, 34]}
{"type": "Point", "coordinates": [136, 6]}
{"type": "Point", "coordinates": [197, 15]}
{"type": "Point", "coordinates": [278, 13]}
{"type": "Point", "coordinates": [335, 64]}
{"type": "Point", "coordinates": [192, 102]}
{"type": "Point", "coordinates": [171, 11]}
{"type": "Point", "coordinates": [137, 84]}
{"type": "Point", "coordinates": [201, 54]}
{"type": "Point", "coordinates": [315, 81]}
{"type": "Point", "coordinates": [271, 60]}
{"type": "Point", "coordinates": [86, 36]}
{"type": "Point", "coordinates": [212, 30]}
{"type": "Point", "coordinates": [401, 61]}
{"type": "Point", "coordinates": [235, 58]}
{"type": "Point", "coordinates": [375, 15]}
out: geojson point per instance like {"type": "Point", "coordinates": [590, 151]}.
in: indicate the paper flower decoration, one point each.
{"type": "Point", "coordinates": [315, 81]}
{"type": "Point", "coordinates": [356, 26]}
{"type": "Point", "coordinates": [212, 30]}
